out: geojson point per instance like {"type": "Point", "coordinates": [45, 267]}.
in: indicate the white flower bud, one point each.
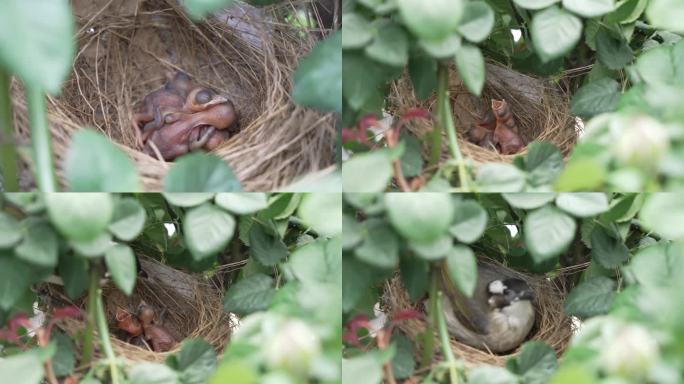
{"type": "Point", "coordinates": [630, 352]}
{"type": "Point", "coordinates": [293, 347]}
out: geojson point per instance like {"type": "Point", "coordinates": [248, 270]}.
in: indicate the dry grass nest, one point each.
{"type": "Point", "coordinates": [124, 49]}
{"type": "Point", "coordinates": [551, 326]}
{"type": "Point", "coordinates": [193, 308]}
{"type": "Point", "coordinates": [539, 106]}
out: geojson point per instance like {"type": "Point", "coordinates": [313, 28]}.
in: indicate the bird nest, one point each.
{"type": "Point", "coordinates": [193, 307]}
{"type": "Point", "coordinates": [551, 325]}
{"type": "Point", "coordinates": [540, 109]}
{"type": "Point", "coordinates": [124, 50]}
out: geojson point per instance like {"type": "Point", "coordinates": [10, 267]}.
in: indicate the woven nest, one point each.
{"type": "Point", "coordinates": [193, 308]}
{"type": "Point", "coordinates": [551, 326]}
{"type": "Point", "coordinates": [539, 107]}
{"type": "Point", "coordinates": [125, 47]}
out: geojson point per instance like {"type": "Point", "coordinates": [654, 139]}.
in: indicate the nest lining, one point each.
{"type": "Point", "coordinates": [194, 308]}
{"type": "Point", "coordinates": [540, 109]}
{"type": "Point", "coordinates": [123, 56]}
{"type": "Point", "coordinates": [551, 326]}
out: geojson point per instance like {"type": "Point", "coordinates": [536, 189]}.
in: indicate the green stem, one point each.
{"type": "Point", "coordinates": [8, 151]}
{"type": "Point", "coordinates": [40, 138]}
{"type": "Point", "coordinates": [104, 338]}
{"type": "Point", "coordinates": [436, 147]}
{"type": "Point", "coordinates": [446, 119]}
{"type": "Point", "coordinates": [444, 340]}
{"type": "Point", "coordinates": [429, 336]}
{"type": "Point", "coordinates": [87, 355]}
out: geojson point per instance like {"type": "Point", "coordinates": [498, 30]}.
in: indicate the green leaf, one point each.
{"type": "Point", "coordinates": [390, 46]}
{"type": "Point", "coordinates": [571, 374]}
{"type": "Point", "coordinates": [80, 216]}
{"type": "Point", "coordinates": [196, 361]}
{"type": "Point", "coordinates": [356, 31]}
{"type": "Point", "coordinates": [543, 163]}
{"type": "Point", "coordinates": [554, 33]}
{"type": "Point", "coordinates": [242, 203]}
{"type": "Point", "coordinates": [367, 172]}
{"type": "Point", "coordinates": [198, 9]}
{"type": "Point", "coordinates": [25, 368]}
{"type": "Point", "coordinates": [188, 199]}
{"type": "Point", "coordinates": [40, 244]}
{"type": "Point", "coordinates": [589, 8]}
{"type": "Point", "coordinates": [120, 262]}
{"type": "Point", "coordinates": [477, 21]}
{"type": "Point", "coordinates": [535, 4]}
{"type": "Point", "coordinates": [318, 79]}
{"type": "Point", "coordinates": [596, 97]}
{"type": "Point", "coordinates": [403, 363]}
{"type": "Point", "coordinates": [152, 373]}
{"type": "Point", "coordinates": [10, 234]}
{"type": "Point", "coordinates": [434, 250]}
{"type": "Point", "coordinates": [95, 164]}
{"type": "Point", "coordinates": [462, 267]}
{"type": "Point", "coordinates": [536, 362]}
{"type": "Point", "coordinates": [528, 200]}
{"type": "Point", "coordinates": [488, 374]}
{"type": "Point", "coordinates": [267, 249]}
{"type": "Point", "coordinates": [351, 233]}
{"type": "Point", "coordinates": [207, 230]}
{"type": "Point", "coordinates": [380, 247]}
{"type": "Point", "coordinates": [322, 212]}
{"type": "Point", "coordinates": [412, 158]}
{"type": "Point", "coordinates": [317, 262]}
{"type": "Point", "coordinates": [235, 372]}
{"type": "Point", "coordinates": [356, 279]}
{"type": "Point", "coordinates": [93, 248]}
{"type": "Point", "coordinates": [74, 272]}
{"type": "Point", "coordinates": [666, 14]}
{"type": "Point", "coordinates": [581, 174]}
{"type": "Point", "coordinates": [613, 52]}
{"type": "Point", "coordinates": [500, 177]}
{"type": "Point", "coordinates": [657, 265]}
{"type": "Point", "coordinates": [435, 22]}
{"type": "Point", "coordinates": [664, 214]}
{"type": "Point", "coordinates": [583, 204]}
{"type": "Point", "coordinates": [590, 298]}
{"type": "Point", "coordinates": [423, 73]}
{"type": "Point", "coordinates": [414, 276]}
{"type": "Point", "coordinates": [663, 65]}
{"type": "Point", "coordinates": [128, 219]}
{"type": "Point", "coordinates": [251, 294]}
{"type": "Point", "coordinates": [64, 361]}
{"type": "Point", "coordinates": [470, 221]}
{"type": "Point", "coordinates": [471, 67]}
{"type": "Point", "coordinates": [36, 41]}
{"type": "Point", "coordinates": [362, 369]}
{"type": "Point", "coordinates": [421, 217]}
{"type": "Point", "coordinates": [548, 232]}
{"type": "Point", "coordinates": [628, 11]}
{"type": "Point", "coordinates": [13, 281]}
{"type": "Point", "coordinates": [200, 172]}
{"type": "Point", "coordinates": [444, 48]}
{"type": "Point", "coordinates": [362, 77]}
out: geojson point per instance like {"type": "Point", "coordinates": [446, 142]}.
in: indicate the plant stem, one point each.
{"type": "Point", "coordinates": [444, 340]}
{"type": "Point", "coordinates": [40, 138]}
{"type": "Point", "coordinates": [8, 151]}
{"type": "Point", "coordinates": [444, 115]}
{"type": "Point", "coordinates": [87, 354]}
{"type": "Point", "coordinates": [436, 147]}
{"type": "Point", "coordinates": [104, 338]}
{"type": "Point", "coordinates": [429, 336]}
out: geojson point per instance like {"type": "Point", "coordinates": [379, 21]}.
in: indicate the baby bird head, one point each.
{"type": "Point", "coordinates": [506, 292]}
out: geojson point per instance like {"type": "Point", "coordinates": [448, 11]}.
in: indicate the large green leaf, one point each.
{"type": "Point", "coordinates": [120, 262]}
{"type": "Point", "coordinates": [403, 363]}
{"type": "Point", "coordinates": [663, 65]}
{"type": "Point", "coordinates": [470, 221]}
{"type": "Point", "coordinates": [367, 172]}
{"type": "Point", "coordinates": [95, 164]}
{"type": "Point", "coordinates": [356, 31]}
{"type": "Point", "coordinates": [63, 361]}
{"type": "Point", "coordinates": [596, 97]}
{"type": "Point", "coordinates": [583, 204]}
{"type": "Point", "coordinates": [207, 230]}
{"type": "Point", "coordinates": [380, 247]}
{"type": "Point", "coordinates": [412, 158]}
{"type": "Point", "coordinates": [536, 362]}
{"type": "Point", "coordinates": [24, 368]}
{"type": "Point", "coordinates": [80, 216]}
{"type": "Point", "coordinates": [318, 79]}
{"type": "Point", "coordinates": [93, 248]}
{"type": "Point", "coordinates": [444, 48]}
{"type": "Point", "coordinates": [613, 51]}
{"type": "Point", "coordinates": [37, 41]}
{"type": "Point", "coordinates": [471, 68]}
{"type": "Point", "coordinates": [489, 374]}
{"type": "Point", "coordinates": [423, 73]}
{"type": "Point", "coordinates": [666, 14]}
{"type": "Point", "coordinates": [434, 21]}
{"type": "Point", "coordinates": [628, 11]}
{"type": "Point", "coordinates": [10, 233]}
{"type": "Point", "coordinates": [128, 220]}
{"type": "Point", "coordinates": [585, 173]}
{"type": "Point", "coordinates": [265, 247]}
{"type": "Point", "coordinates": [13, 280]}
{"type": "Point", "coordinates": [242, 203]}
{"type": "Point", "coordinates": [414, 276]}
{"type": "Point", "coordinates": [500, 177]}
{"type": "Point", "coordinates": [152, 373]}
{"type": "Point", "coordinates": [188, 199]}
{"type": "Point", "coordinates": [362, 77]}
{"type": "Point", "coordinates": [434, 250]}
{"type": "Point", "coordinates": [201, 172]}
{"type": "Point", "coordinates": [40, 244]}
{"type": "Point", "coordinates": [323, 212]}
{"type": "Point", "coordinates": [555, 32]}
{"type": "Point", "coordinates": [548, 232]}
{"type": "Point", "coordinates": [535, 4]}
{"type": "Point", "coordinates": [477, 21]}
{"type": "Point", "coordinates": [362, 369]}
{"type": "Point", "coordinates": [530, 200]}
{"type": "Point", "coordinates": [74, 272]}
{"type": "Point", "coordinates": [590, 298]}
{"type": "Point", "coordinates": [351, 232]}
{"type": "Point", "coordinates": [356, 279]}
{"type": "Point", "coordinates": [589, 8]}
{"type": "Point", "coordinates": [390, 45]}
{"type": "Point", "coordinates": [664, 214]}
{"type": "Point", "coordinates": [251, 294]}
{"type": "Point", "coordinates": [543, 163]}
{"type": "Point", "coordinates": [462, 268]}
{"type": "Point", "coordinates": [196, 361]}
{"type": "Point", "coordinates": [421, 217]}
